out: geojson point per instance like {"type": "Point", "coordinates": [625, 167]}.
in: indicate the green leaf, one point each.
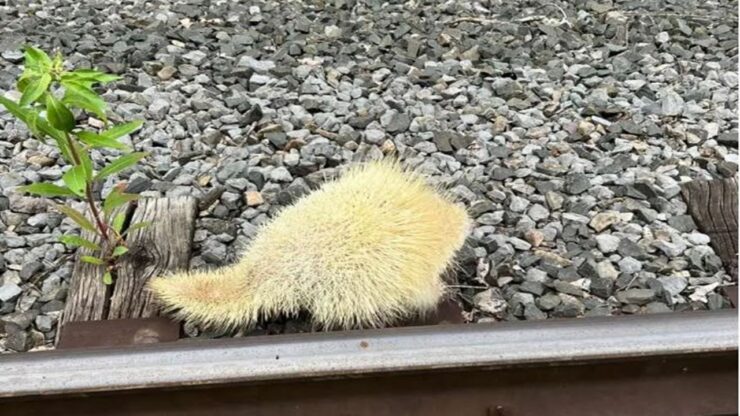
{"type": "Point", "coordinates": [38, 125]}
{"type": "Point", "coordinates": [90, 75]}
{"type": "Point", "coordinates": [139, 225]}
{"type": "Point", "coordinates": [77, 241]}
{"type": "Point", "coordinates": [23, 82]}
{"type": "Point", "coordinates": [58, 61]}
{"type": "Point", "coordinates": [59, 115]}
{"type": "Point", "coordinates": [43, 127]}
{"type": "Point", "coordinates": [46, 189]}
{"type": "Point", "coordinates": [84, 83]}
{"type": "Point", "coordinates": [14, 109]}
{"type": "Point", "coordinates": [77, 86]}
{"type": "Point", "coordinates": [32, 123]}
{"type": "Point", "coordinates": [37, 60]}
{"type": "Point", "coordinates": [119, 251]}
{"type": "Point", "coordinates": [92, 260]}
{"type": "Point", "coordinates": [85, 160]}
{"type": "Point", "coordinates": [122, 129]}
{"type": "Point", "coordinates": [81, 96]}
{"type": "Point", "coordinates": [59, 138]}
{"type": "Point", "coordinates": [120, 164]}
{"type": "Point", "coordinates": [100, 141]}
{"type": "Point", "coordinates": [106, 78]}
{"type": "Point", "coordinates": [108, 278]}
{"type": "Point", "coordinates": [115, 199]}
{"type": "Point", "coordinates": [35, 88]}
{"type": "Point", "coordinates": [118, 221]}
{"type": "Point", "coordinates": [75, 179]}
{"type": "Point", "coordinates": [77, 217]}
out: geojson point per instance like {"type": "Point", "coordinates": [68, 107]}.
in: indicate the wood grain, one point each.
{"type": "Point", "coordinates": [713, 205]}
{"type": "Point", "coordinates": [163, 246]}
{"type": "Point", "coordinates": [159, 248]}
{"type": "Point", "coordinates": [87, 299]}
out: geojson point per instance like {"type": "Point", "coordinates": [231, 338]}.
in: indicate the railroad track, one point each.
{"type": "Point", "coordinates": [671, 364]}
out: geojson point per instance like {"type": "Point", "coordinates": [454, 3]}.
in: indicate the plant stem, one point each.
{"type": "Point", "coordinates": [94, 210]}
{"type": "Point", "coordinates": [73, 150]}
{"type": "Point", "coordinates": [88, 192]}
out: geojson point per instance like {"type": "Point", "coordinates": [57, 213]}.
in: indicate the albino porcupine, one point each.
{"type": "Point", "coordinates": [362, 251]}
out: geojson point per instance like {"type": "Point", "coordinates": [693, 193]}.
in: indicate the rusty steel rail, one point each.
{"type": "Point", "coordinates": [666, 352]}
{"type": "Point", "coordinates": [198, 362]}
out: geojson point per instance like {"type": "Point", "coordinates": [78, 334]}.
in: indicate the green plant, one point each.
{"type": "Point", "coordinates": [50, 96]}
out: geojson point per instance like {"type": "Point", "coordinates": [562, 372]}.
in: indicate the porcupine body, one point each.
{"type": "Point", "coordinates": [364, 250]}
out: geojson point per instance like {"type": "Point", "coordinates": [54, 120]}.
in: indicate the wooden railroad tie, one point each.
{"type": "Point", "coordinates": [713, 205]}
{"type": "Point", "coordinates": [97, 314]}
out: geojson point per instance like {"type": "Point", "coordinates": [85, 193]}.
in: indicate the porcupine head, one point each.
{"type": "Point", "coordinates": [364, 250]}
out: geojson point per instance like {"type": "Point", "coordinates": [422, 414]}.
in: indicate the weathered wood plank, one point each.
{"type": "Point", "coordinates": [713, 205]}
{"type": "Point", "coordinates": [88, 295]}
{"type": "Point", "coordinates": [163, 246]}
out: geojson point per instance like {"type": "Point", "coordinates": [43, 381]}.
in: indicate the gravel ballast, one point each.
{"type": "Point", "coordinates": [565, 130]}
